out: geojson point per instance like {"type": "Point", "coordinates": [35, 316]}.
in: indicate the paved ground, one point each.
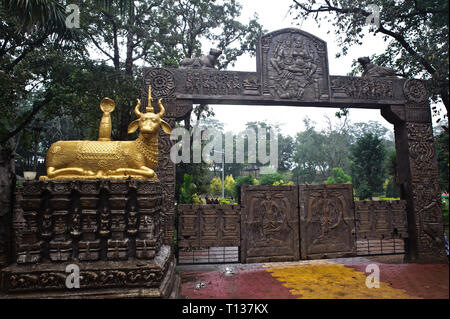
{"type": "Point", "coordinates": [319, 279]}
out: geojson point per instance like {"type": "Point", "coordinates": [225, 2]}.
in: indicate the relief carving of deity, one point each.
{"type": "Point", "coordinates": [292, 67]}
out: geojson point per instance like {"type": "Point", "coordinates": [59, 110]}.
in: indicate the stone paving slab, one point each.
{"type": "Point", "coordinates": [341, 278]}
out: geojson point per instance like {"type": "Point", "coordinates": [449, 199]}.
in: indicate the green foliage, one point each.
{"type": "Point", "coordinates": [317, 152]}
{"type": "Point", "coordinates": [224, 201]}
{"type": "Point", "coordinates": [283, 183]}
{"type": "Point", "coordinates": [286, 145]}
{"type": "Point", "coordinates": [286, 148]}
{"type": "Point", "coordinates": [338, 177]}
{"type": "Point", "coordinates": [364, 191]}
{"type": "Point", "coordinates": [368, 165]}
{"type": "Point", "coordinates": [445, 208]}
{"type": "Point", "coordinates": [270, 179]}
{"type": "Point", "coordinates": [389, 198]}
{"type": "Point", "coordinates": [196, 199]}
{"type": "Point", "coordinates": [187, 191]}
{"type": "Point", "coordinates": [391, 188]}
{"type": "Point", "coordinates": [229, 185]}
{"type": "Point", "coordinates": [215, 187]}
{"type": "Point", "coordinates": [242, 180]}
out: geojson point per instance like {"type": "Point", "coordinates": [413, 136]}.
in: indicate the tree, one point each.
{"type": "Point", "coordinates": [392, 189]}
{"type": "Point", "coordinates": [358, 129]}
{"type": "Point", "coordinates": [309, 154]}
{"type": "Point", "coordinates": [215, 187]}
{"type": "Point", "coordinates": [286, 144]}
{"type": "Point", "coordinates": [338, 177]}
{"type": "Point", "coordinates": [229, 185]}
{"type": "Point", "coordinates": [188, 190]}
{"type": "Point", "coordinates": [286, 148]}
{"type": "Point", "coordinates": [242, 180]}
{"type": "Point", "coordinates": [417, 32]}
{"type": "Point", "coordinates": [338, 139]}
{"type": "Point", "coordinates": [26, 27]}
{"type": "Point", "coordinates": [368, 165]}
{"type": "Point", "coordinates": [316, 152]}
{"type": "Point", "coordinates": [161, 33]}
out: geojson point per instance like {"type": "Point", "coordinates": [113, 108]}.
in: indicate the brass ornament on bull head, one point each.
{"type": "Point", "coordinates": [111, 159]}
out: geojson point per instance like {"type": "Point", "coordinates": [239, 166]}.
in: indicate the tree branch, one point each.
{"type": "Point", "coordinates": [37, 106]}
{"type": "Point", "coordinates": [25, 52]}
{"type": "Point", "coordinates": [99, 47]}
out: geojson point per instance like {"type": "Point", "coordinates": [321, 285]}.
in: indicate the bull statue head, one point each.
{"type": "Point", "coordinates": [149, 122]}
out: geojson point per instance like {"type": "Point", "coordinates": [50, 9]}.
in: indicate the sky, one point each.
{"type": "Point", "coordinates": [273, 15]}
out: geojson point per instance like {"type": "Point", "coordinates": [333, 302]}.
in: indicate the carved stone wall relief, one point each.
{"type": "Point", "coordinates": [425, 195]}
{"type": "Point", "coordinates": [327, 221]}
{"type": "Point", "coordinates": [294, 66]}
{"type": "Point", "coordinates": [269, 224]}
{"type": "Point", "coordinates": [209, 225]}
{"type": "Point", "coordinates": [90, 223]}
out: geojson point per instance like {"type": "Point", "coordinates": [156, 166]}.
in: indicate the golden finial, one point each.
{"type": "Point", "coordinates": [104, 132]}
{"type": "Point", "coordinates": [149, 107]}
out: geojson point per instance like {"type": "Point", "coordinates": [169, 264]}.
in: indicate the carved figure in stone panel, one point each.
{"type": "Point", "coordinates": [328, 209]}
{"type": "Point", "coordinates": [294, 67]}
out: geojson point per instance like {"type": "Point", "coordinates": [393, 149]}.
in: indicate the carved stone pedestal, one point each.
{"type": "Point", "coordinates": [110, 229]}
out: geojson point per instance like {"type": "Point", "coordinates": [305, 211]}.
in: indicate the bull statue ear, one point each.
{"type": "Point", "coordinates": [133, 126]}
{"type": "Point", "coordinates": [166, 127]}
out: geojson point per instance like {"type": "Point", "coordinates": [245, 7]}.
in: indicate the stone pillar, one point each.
{"type": "Point", "coordinates": [418, 173]}
{"type": "Point", "coordinates": [4, 237]}
{"type": "Point", "coordinates": [166, 175]}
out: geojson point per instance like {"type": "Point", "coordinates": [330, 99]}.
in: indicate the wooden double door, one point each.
{"type": "Point", "coordinates": [286, 223]}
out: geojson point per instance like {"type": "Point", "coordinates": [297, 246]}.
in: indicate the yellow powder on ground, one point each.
{"type": "Point", "coordinates": [332, 281]}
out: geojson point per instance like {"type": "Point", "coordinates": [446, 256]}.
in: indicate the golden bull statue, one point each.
{"type": "Point", "coordinates": [111, 159]}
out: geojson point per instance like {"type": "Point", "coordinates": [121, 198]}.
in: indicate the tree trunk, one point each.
{"type": "Point", "coordinates": [7, 183]}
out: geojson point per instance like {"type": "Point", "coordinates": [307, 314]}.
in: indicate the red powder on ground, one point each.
{"type": "Point", "coordinates": [256, 284]}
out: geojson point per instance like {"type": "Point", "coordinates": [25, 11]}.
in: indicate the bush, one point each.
{"type": "Point", "coordinates": [224, 201]}
{"type": "Point", "coordinates": [270, 179]}
{"type": "Point", "coordinates": [215, 187]}
{"type": "Point", "coordinates": [242, 180]}
{"type": "Point", "coordinates": [391, 188]}
{"type": "Point", "coordinates": [196, 200]}
{"type": "Point", "coordinates": [338, 177]}
{"type": "Point", "coordinates": [187, 191]}
{"type": "Point", "coordinates": [229, 185]}
{"type": "Point", "coordinates": [283, 183]}
{"type": "Point", "coordinates": [364, 191]}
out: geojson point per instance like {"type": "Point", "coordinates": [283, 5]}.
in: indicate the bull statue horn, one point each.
{"type": "Point", "coordinates": [136, 109]}
{"type": "Point", "coordinates": [162, 109]}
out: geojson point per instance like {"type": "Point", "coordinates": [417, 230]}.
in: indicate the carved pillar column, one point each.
{"type": "Point", "coordinates": [418, 173]}
{"type": "Point", "coordinates": [166, 175]}
{"type": "Point", "coordinates": [4, 237]}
